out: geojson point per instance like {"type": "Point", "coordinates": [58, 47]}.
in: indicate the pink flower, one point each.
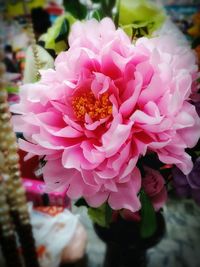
{"type": "Point", "coordinates": [154, 187]}
{"type": "Point", "coordinates": [105, 105]}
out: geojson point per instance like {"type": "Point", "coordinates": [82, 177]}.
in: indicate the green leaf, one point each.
{"type": "Point", "coordinates": [111, 3]}
{"type": "Point", "coordinates": [12, 89]}
{"type": "Point", "coordinates": [97, 14]}
{"type": "Point", "coordinates": [197, 153]}
{"type": "Point", "coordinates": [64, 31]}
{"type": "Point", "coordinates": [74, 7]}
{"type": "Point", "coordinates": [148, 223]}
{"type": "Point", "coordinates": [108, 214]}
{"type": "Point", "coordinates": [140, 13]}
{"type": "Point", "coordinates": [101, 215]}
{"type": "Point", "coordinates": [116, 17]}
{"type": "Point", "coordinates": [57, 35]}
{"type": "Point", "coordinates": [196, 42]}
{"type": "Point", "coordinates": [107, 7]}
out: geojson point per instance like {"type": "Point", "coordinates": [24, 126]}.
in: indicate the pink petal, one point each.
{"type": "Point", "coordinates": [94, 125]}
{"type": "Point", "coordinates": [115, 137]}
{"type": "Point", "coordinates": [91, 153]}
{"type": "Point", "coordinates": [191, 132]}
{"type": "Point", "coordinates": [68, 132]}
{"type": "Point", "coordinates": [146, 71]}
{"type": "Point", "coordinates": [72, 123]}
{"type": "Point", "coordinates": [128, 168]}
{"type": "Point", "coordinates": [183, 162]}
{"type": "Point", "coordinates": [128, 106]}
{"type": "Point", "coordinates": [153, 91]}
{"type": "Point", "coordinates": [56, 177]}
{"type": "Point", "coordinates": [78, 188]}
{"type": "Point", "coordinates": [126, 197]}
{"type": "Point", "coordinates": [141, 117]}
{"type": "Point", "coordinates": [160, 199]}
{"type": "Point", "coordinates": [118, 160]}
{"type": "Point", "coordinates": [73, 158]}
{"type": "Point", "coordinates": [100, 84]}
{"type": "Point", "coordinates": [97, 199]}
{"type": "Point", "coordinates": [107, 173]}
{"type": "Point", "coordinates": [34, 148]}
{"type": "Point", "coordinates": [88, 178]}
{"type": "Point", "coordinates": [21, 126]}
{"type": "Point", "coordinates": [111, 185]}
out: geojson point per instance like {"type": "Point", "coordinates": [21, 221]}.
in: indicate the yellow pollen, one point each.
{"type": "Point", "coordinates": [97, 109]}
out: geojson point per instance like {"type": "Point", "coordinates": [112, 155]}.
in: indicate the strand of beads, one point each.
{"type": "Point", "coordinates": [7, 233]}
{"type": "Point", "coordinates": [16, 198]}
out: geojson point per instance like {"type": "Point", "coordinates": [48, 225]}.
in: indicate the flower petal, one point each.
{"type": "Point", "coordinates": [126, 197]}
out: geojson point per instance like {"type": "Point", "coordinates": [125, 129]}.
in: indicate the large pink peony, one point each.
{"type": "Point", "coordinates": [107, 103]}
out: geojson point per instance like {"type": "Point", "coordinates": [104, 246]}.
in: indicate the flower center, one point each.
{"type": "Point", "coordinates": [97, 109]}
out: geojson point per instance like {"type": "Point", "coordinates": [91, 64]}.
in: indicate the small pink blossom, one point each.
{"type": "Point", "coordinates": [154, 187]}
{"type": "Point", "coordinates": [107, 103]}
{"type": "Point", "coordinates": [130, 216]}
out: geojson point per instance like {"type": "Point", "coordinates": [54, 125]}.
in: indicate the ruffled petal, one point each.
{"type": "Point", "coordinates": [126, 197]}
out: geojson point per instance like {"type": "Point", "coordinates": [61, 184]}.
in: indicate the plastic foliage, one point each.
{"type": "Point", "coordinates": [57, 35]}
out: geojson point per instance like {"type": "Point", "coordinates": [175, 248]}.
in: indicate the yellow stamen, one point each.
{"type": "Point", "coordinates": [97, 109]}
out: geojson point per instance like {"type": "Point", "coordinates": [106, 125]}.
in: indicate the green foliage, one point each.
{"type": "Point", "coordinates": [148, 223]}
{"type": "Point", "coordinates": [197, 153]}
{"type": "Point", "coordinates": [196, 42]}
{"type": "Point", "coordinates": [116, 17]}
{"type": "Point", "coordinates": [151, 160]}
{"type": "Point", "coordinates": [12, 89]}
{"type": "Point", "coordinates": [107, 7]}
{"type": "Point", "coordinates": [103, 9]}
{"type": "Point", "coordinates": [81, 202]}
{"type": "Point", "coordinates": [74, 7]}
{"type": "Point", "coordinates": [96, 1]}
{"type": "Point", "coordinates": [97, 14]}
{"type": "Point", "coordinates": [64, 31]}
{"type": "Point", "coordinates": [56, 37]}
{"type": "Point", "coordinates": [140, 17]}
{"type": "Point", "coordinates": [101, 215]}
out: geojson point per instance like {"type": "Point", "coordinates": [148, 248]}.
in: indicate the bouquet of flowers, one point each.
{"type": "Point", "coordinates": [112, 119]}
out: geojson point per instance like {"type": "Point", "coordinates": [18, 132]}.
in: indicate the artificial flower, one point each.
{"type": "Point", "coordinates": [105, 105]}
{"type": "Point", "coordinates": [154, 186]}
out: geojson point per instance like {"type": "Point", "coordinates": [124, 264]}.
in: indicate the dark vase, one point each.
{"type": "Point", "coordinates": [125, 247]}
